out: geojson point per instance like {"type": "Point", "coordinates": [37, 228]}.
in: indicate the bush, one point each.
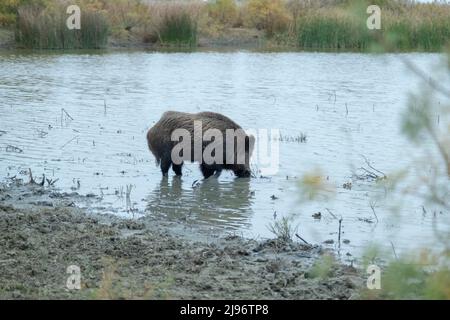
{"type": "Point", "coordinates": [268, 15]}
{"type": "Point", "coordinates": [223, 11]}
{"type": "Point", "coordinates": [8, 11]}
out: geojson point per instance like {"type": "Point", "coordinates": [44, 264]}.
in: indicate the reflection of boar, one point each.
{"type": "Point", "coordinates": [159, 139]}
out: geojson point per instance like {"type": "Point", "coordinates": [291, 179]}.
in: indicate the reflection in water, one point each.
{"type": "Point", "coordinates": [225, 204]}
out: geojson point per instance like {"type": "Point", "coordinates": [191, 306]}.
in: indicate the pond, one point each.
{"type": "Point", "coordinates": [82, 118]}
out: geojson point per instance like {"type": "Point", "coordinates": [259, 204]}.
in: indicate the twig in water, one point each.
{"type": "Point", "coordinates": [370, 173]}
{"type": "Point", "coordinates": [331, 213]}
{"type": "Point", "coordinates": [301, 238]}
{"type": "Point", "coordinates": [340, 229]}
{"type": "Point", "coordinates": [194, 183]}
{"type": "Point", "coordinates": [69, 142]}
{"type": "Point", "coordinates": [393, 249]}
{"type": "Point", "coordinates": [11, 148]}
{"type": "Point", "coordinates": [372, 206]}
{"type": "Point", "coordinates": [41, 133]}
{"type": "Point", "coordinates": [371, 167]}
{"type": "Point", "coordinates": [64, 112]}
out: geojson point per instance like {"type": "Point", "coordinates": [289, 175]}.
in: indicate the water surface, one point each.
{"type": "Point", "coordinates": [82, 119]}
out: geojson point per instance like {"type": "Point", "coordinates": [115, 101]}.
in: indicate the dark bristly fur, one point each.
{"type": "Point", "coordinates": [160, 143]}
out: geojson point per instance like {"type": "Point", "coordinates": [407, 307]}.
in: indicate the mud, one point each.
{"type": "Point", "coordinates": [43, 231]}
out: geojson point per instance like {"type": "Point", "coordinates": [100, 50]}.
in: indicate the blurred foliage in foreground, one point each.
{"type": "Point", "coordinates": [425, 273]}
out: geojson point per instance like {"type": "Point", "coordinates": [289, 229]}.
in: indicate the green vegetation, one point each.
{"type": "Point", "coordinates": [178, 26]}
{"type": "Point", "coordinates": [404, 26]}
{"type": "Point", "coordinates": [322, 24]}
{"type": "Point", "coordinates": [179, 29]}
{"type": "Point", "coordinates": [422, 275]}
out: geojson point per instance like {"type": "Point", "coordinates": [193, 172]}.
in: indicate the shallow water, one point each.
{"type": "Point", "coordinates": [82, 119]}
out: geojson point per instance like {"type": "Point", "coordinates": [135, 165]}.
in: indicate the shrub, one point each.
{"type": "Point", "coordinates": [268, 15]}
{"type": "Point", "coordinates": [223, 11]}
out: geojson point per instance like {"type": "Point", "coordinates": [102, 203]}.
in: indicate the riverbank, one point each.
{"type": "Point", "coordinates": [321, 25]}
{"type": "Point", "coordinates": [7, 39]}
{"type": "Point", "coordinates": [44, 231]}
{"type": "Point", "coordinates": [233, 38]}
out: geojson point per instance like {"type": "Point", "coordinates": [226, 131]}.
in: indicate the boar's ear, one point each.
{"type": "Point", "coordinates": [251, 143]}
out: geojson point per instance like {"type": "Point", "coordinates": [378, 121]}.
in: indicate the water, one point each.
{"type": "Point", "coordinates": [349, 105]}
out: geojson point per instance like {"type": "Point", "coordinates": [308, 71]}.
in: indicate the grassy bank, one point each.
{"type": "Point", "coordinates": [324, 24]}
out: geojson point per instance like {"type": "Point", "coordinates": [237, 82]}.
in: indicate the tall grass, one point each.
{"type": "Point", "coordinates": [39, 28]}
{"type": "Point", "coordinates": [335, 30]}
{"type": "Point", "coordinates": [175, 22]}
{"type": "Point", "coordinates": [179, 28]}
{"type": "Point", "coordinates": [403, 27]}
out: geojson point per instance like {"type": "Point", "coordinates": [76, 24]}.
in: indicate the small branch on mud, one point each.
{"type": "Point", "coordinates": [51, 182]}
{"type": "Point", "coordinates": [42, 183]}
{"type": "Point", "coordinates": [31, 177]}
{"type": "Point", "coordinates": [301, 239]}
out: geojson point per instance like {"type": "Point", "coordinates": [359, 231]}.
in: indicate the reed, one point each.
{"type": "Point", "coordinates": [405, 26]}
{"type": "Point", "coordinates": [45, 28]}
{"type": "Point", "coordinates": [179, 28]}
{"type": "Point", "coordinates": [175, 22]}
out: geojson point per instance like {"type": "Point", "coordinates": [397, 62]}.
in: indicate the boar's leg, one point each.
{"type": "Point", "coordinates": [165, 165]}
{"type": "Point", "coordinates": [177, 169]}
{"type": "Point", "coordinates": [207, 171]}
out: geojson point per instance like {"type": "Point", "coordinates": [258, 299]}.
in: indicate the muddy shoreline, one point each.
{"type": "Point", "coordinates": [43, 231]}
{"type": "Point", "coordinates": [235, 38]}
